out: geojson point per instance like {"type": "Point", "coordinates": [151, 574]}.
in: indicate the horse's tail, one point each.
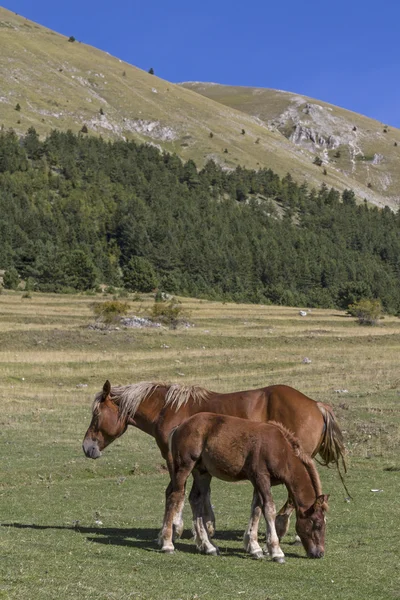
{"type": "Point", "coordinates": [170, 436]}
{"type": "Point", "coordinates": [332, 449]}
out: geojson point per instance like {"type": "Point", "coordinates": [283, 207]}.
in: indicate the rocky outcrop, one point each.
{"type": "Point", "coordinates": [308, 135]}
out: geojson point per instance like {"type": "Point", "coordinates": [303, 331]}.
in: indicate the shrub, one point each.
{"type": "Point", "coordinates": [168, 313]}
{"type": "Point", "coordinates": [110, 311]}
{"type": "Point", "coordinates": [367, 311]}
{"type": "Point", "coordinates": [317, 161]}
{"type": "Point", "coordinates": [71, 38]}
{"type": "Point", "coordinates": [243, 132]}
{"type": "Point", "coordinates": [84, 129]}
{"type": "Point", "coordinates": [351, 293]}
{"type": "Point", "coordinates": [151, 71]}
{"type": "Point", "coordinates": [18, 107]}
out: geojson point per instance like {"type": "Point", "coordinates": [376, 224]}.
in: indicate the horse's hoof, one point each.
{"type": "Point", "coordinates": [279, 559]}
{"type": "Point", "coordinates": [297, 541]}
{"type": "Point", "coordinates": [214, 552]}
{"type": "Point", "coordinates": [257, 555]}
{"type": "Point", "coordinates": [167, 550]}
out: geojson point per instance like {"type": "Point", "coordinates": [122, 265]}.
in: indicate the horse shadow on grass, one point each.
{"type": "Point", "coordinates": [146, 538]}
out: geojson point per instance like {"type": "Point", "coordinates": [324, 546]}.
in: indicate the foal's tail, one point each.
{"type": "Point", "coordinates": [170, 460]}
{"type": "Point", "coordinates": [332, 448]}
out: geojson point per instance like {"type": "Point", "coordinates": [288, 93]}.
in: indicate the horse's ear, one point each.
{"type": "Point", "coordinates": [106, 389]}
{"type": "Point", "coordinates": [321, 501]}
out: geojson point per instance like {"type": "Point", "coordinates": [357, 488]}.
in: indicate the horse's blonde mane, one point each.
{"type": "Point", "coordinates": [129, 397]}
{"type": "Point", "coordinates": [299, 452]}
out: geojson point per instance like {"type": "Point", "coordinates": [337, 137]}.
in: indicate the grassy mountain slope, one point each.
{"type": "Point", "coordinates": [62, 84]}
{"type": "Point", "coordinates": [357, 148]}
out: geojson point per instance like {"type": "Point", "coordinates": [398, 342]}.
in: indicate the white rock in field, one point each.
{"type": "Point", "coordinates": [302, 313]}
{"type": "Point", "coordinates": [306, 360]}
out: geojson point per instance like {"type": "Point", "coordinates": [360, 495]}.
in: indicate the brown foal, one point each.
{"type": "Point", "coordinates": [232, 449]}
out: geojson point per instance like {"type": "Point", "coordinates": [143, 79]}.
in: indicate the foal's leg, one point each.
{"type": "Point", "coordinates": [197, 495]}
{"type": "Point", "coordinates": [263, 487]}
{"type": "Point", "coordinates": [173, 506]}
{"type": "Point", "coordinates": [250, 538]}
{"type": "Point", "coordinates": [283, 518]}
{"type": "Point", "coordinates": [178, 520]}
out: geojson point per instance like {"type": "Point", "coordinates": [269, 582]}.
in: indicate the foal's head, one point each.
{"type": "Point", "coordinates": [106, 424]}
{"type": "Point", "coordinates": [310, 527]}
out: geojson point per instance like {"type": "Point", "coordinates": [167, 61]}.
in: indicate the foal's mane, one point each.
{"type": "Point", "coordinates": [299, 452]}
{"type": "Point", "coordinates": [129, 397]}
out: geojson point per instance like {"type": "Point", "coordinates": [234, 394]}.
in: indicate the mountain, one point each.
{"type": "Point", "coordinates": [51, 81]}
{"type": "Point", "coordinates": [357, 148]}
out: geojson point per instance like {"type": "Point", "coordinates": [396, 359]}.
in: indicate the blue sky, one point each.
{"type": "Point", "coordinates": [343, 52]}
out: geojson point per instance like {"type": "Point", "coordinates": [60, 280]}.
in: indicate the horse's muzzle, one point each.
{"type": "Point", "coordinates": [316, 553]}
{"type": "Point", "coordinates": [91, 449]}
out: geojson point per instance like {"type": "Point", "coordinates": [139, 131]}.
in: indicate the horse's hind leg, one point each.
{"type": "Point", "coordinates": [173, 506]}
{"type": "Point", "coordinates": [262, 485]}
{"type": "Point", "coordinates": [177, 525]}
{"type": "Point", "coordinates": [208, 513]}
{"type": "Point", "coordinates": [250, 538]}
{"type": "Point", "coordinates": [197, 495]}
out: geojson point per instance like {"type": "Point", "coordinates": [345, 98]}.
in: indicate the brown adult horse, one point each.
{"type": "Point", "coordinates": [209, 445]}
{"type": "Point", "coordinates": [157, 408]}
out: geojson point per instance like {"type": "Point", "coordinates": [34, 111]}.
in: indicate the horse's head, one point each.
{"type": "Point", "coordinates": [106, 424]}
{"type": "Point", "coordinates": [310, 527]}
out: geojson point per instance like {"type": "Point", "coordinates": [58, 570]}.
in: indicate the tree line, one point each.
{"type": "Point", "coordinates": [77, 210]}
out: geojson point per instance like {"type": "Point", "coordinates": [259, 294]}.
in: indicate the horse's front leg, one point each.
{"type": "Point", "coordinates": [282, 520]}
{"type": "Point", "coordinates": [201, 486]}
{"type": "Point", "coordinates": [263, 487]}
{"type": "Point", "coordinates": [250, 538]}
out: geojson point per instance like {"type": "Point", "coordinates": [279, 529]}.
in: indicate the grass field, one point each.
{"type": "Point", "coordinates": [80, 529]}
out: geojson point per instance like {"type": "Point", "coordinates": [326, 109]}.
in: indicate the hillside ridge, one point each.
{"type": "Point", "coordinates": [59, 84]}
{"type": "Point", "coordinates": [354, 145]}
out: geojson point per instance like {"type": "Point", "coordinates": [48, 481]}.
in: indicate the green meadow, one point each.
{"type": "Point", "coordinates": [80, 529]}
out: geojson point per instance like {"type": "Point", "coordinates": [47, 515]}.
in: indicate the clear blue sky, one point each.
{"type": "Point", "coordinates": [346, 52]}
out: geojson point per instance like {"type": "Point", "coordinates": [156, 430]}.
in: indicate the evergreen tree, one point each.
{"type": "Point", "coordinates": [139, 275]}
